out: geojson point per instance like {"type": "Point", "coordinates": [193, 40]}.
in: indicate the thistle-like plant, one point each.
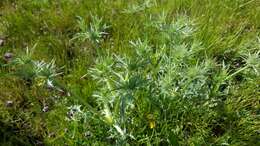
{"type": "Point", "coordinates": [134, 8]}
{"type": "Point", "coordinates": [251, 62]}
{"type": "Point", "coordinates": [45, 73]}
{"type": "Point", "coordinates": [33, 70]}
{"type": "Point", "coordinates": [47, 70]}
{"type": "Point", "coordinates": [163, 79]}
{"type": "Point", "coordinates": [25, 58]}
{"type": "Point", "coordinates": [93, 32]}
{"type": "Point", "coordinates": [118, 81]}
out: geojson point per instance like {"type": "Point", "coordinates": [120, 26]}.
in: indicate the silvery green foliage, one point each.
{"type": "Point", "coordinates": [119, 80]}
{"type": "Point", "coordinates": [47, 70]}
{"type": "Point", "coordinates": [93, 31]}
{"type": "Point", "coordinates": [29, 69]}
{"type": "Point", "coordinates": [25, 58]}
{"type": "Point", "coordinates": [134, 8]}
{"type": "Point", "coordinates": [253, 61]}
{"type": "Point", "coordinates": [251, 67]}
{"type": "Point", "coordinates": [165, 76]}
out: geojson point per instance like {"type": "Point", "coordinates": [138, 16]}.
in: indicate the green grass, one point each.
{"type": "Point", "coordinates": [143, 72]}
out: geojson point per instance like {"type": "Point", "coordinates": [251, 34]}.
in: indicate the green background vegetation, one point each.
{"type": "Point", "coordinates": [137, 72]}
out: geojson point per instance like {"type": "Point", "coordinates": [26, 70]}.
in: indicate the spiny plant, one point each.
{"type": "Point", "coordinates": [37, 75]}
{"type": "Point", "coordinates": [251, 63]}
{"type": "Point", "coordinates": [189, 75]}
{"type": "Point", "coordinates": [40, 92]}
{"type": "Point", "coordinates": [165, 82]}
{"type": "Point", "coordinates": [93, 32]}
{"type": "Point", "coordinates": [32, 70]}
{"type": "Point", "coordinates": [124, 78]}
{"type": "Point", "coordinates": [135, 8]}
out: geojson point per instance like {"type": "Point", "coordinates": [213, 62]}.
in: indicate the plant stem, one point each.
{"type": "Point", "coordinates": [235, 73]}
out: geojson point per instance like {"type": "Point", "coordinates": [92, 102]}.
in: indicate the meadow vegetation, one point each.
{"type": "Point", "coordinates": [140, 72]}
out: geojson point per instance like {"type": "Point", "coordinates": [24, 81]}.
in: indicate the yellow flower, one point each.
{"type": "Point", "coordinates": [40, 81]}
{"type": "Point", "coordinates": [151, 120]}
{"type": "Point", "coordinates": [152, 124]}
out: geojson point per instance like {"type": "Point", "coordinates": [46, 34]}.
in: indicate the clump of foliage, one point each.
{"type": "Point", "coordinates": [94, 32]}
{"type": "Point", "coordinates": [166, 88]}
{"type": "Point", "coordinates": [142, 72]}
{"type": "Point", "coordinates": [38, 91]}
